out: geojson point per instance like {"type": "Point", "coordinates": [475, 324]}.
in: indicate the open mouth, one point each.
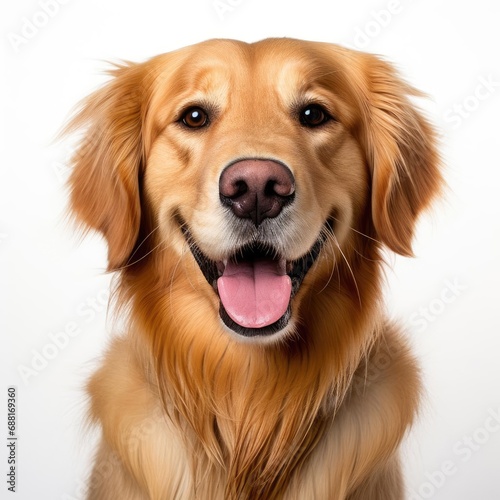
{"type": "Point", "coordinates": [255, 285]}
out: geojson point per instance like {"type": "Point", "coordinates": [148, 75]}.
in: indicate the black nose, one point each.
{"type": "Point", "coordinates": [256, 189]}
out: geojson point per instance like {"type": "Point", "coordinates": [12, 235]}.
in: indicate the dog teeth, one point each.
{"type": "Point", "coordinates": [282, 266]}
{"type": "Point", "coordinates": [221, 265]}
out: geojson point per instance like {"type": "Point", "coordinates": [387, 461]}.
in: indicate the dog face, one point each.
{"type": "Point", "coordinates": [258, 164]}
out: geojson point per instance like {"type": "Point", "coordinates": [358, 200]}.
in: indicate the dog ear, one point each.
{"type": "Point", "coordinates": [401, 151]}
{"type": "Point", "coordinates": [104, 183]}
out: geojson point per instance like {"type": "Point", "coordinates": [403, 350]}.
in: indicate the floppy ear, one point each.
{"type": "Point", "coordinates": [401, 150]}
{"type": "Point", "coordinates": [104, 183]}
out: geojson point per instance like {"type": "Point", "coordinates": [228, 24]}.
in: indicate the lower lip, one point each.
{"type": "Point", "coordinates": [267, 331]}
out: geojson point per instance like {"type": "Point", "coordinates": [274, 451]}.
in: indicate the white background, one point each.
{"type": "Point", "coordinates": [448, 295]}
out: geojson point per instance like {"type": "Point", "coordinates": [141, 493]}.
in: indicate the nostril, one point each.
{"type": "Point", "coordinates": [241, 188]}
{"type": "Point", "coordinates": [232, 184]}
{"type": "Point", "coordinates": [269, 189]}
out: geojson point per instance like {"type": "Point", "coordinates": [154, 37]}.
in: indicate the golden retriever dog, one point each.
{"type": "Point", "coordinates": [246, 193]}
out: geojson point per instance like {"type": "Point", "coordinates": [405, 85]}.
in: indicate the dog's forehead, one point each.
{"type": "Point", "coordinates": [279, 63]}
{"type": "Point", "coordinates": [239, 76]}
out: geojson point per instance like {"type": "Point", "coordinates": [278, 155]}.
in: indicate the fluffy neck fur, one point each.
{"type": "Point", "coordinates": [251, 414]}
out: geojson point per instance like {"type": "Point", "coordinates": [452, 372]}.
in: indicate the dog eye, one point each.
{"type": "Point", "coordinates": [195, 118]}
{"type": "Point", "coordinates": [313, 115]}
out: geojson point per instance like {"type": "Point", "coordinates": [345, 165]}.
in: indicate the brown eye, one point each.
{"type": "Point", "coordinates": [313, 115]}
{"type": "Point", "coordinates": [195, 118]}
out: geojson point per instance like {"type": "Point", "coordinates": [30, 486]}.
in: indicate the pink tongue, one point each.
{"type": "Point", "coordinates": [254, 294]}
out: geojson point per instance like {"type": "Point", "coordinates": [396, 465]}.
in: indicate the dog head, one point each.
{"type": "Point", "coordinates": [265, 164]}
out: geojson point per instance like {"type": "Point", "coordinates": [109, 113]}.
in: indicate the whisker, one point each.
{"type": "Point", "coordinates": [359, 232]}
{"type": "Point", "coordinates": [365, 257]}
{"type": "Point", "coordinates": [143, 257]}
{"type": "Point", "coordinates": [163, 242]}
{"type": "Point", "coordinates": [348, 266]}
{"type": "Point", "coordinates": [334, 266]}
{"type": "Point", "coordinates": [142, 242]}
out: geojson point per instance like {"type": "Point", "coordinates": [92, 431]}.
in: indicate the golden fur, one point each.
{"type": "Point", "coordinates": [187, 409]}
